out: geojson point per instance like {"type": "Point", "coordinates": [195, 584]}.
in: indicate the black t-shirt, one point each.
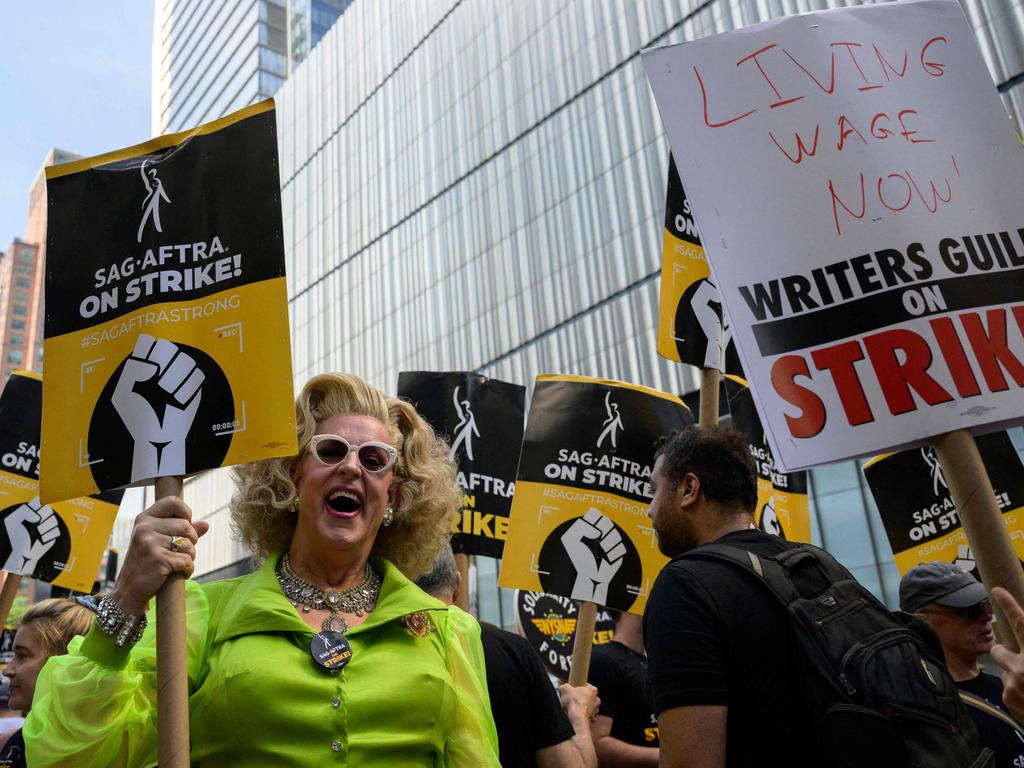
{"type": "Point", "coordinates": [13, 753]}
{"type": "Point", "coordinates": [715, 636]}
{"type": "Point", "coordinates": [620, 676]}
{"type": "Point", "coordinates": [525, 705]}
{"type": "Point", "coordinates": [996, 728]}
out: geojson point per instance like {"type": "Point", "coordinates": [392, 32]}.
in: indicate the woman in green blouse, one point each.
{"type": "Point", "coordinates": [327, 654]}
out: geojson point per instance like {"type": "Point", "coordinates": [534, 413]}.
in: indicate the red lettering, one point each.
{"type": "Point", "coordinates": [757, 62]}
{"type": "Point", "coordinates": [884, 64]}
{"type": "Point", "coordinates": [991, 348]}
{"type": "Point", "coordinates": [881, 197]}
{"type": "Point", "coordinates": [879, 132]}
{"type": "Point", "coordinates": [931, 67]}
{"type": "Point", "coordinates": [936, 197]}
{"type": "Point", "coordinates": [839, 362]}
{"type": "Point", "coordinates": [704, 96]}
{"type": "Point", "coordinates": [836, 202]}
{"type": "Point", "coordinates": [896, 378]}
{"type": "Point", "coordinates": [955, 356]}
{"type": "Point", "coordinates": [906, 132]}
{"type": "Point", "coordinates": [845, 129]}
{"type": "Point", "coordinates": [812, 410]}
{"type": "Point", "coordinates": [853, 57]}
{"type": "Point", "coordinates": [832, 74]}
{"type": "Point", "coordinates": [801, 148]}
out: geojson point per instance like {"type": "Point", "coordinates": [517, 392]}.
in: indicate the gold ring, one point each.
{"type": "Point", "coordinates": [176, 542]}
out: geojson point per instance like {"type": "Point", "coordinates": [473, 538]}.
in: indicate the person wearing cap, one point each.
{"type": "Point", "coordinates": [957, 607]}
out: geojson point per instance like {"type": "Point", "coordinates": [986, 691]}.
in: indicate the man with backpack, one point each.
{"type": "Point", "coordinates": [768, 653]}
{"type": "Point", "coordinates": [957, 607]}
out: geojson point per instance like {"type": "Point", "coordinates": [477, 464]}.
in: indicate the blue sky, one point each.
{"type": "Point", "coordinates": [74, 74]}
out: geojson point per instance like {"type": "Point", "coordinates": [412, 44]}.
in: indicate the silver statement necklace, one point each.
{"type": "Point", "coordinates": [330, 648]}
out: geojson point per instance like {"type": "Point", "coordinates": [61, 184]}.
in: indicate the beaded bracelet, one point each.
{"type": "Point", "coordinates": [126, 630]}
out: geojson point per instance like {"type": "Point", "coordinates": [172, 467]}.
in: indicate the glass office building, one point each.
{"type": "Point", "coordinates": [480, 186]}
{"type": "Point", "coordinates": [212, 57]}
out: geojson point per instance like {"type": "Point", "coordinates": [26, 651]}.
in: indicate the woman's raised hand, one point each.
{"type": "Point", "coordinates": [163, 542]}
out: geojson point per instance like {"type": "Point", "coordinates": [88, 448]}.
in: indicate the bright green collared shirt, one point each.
{"type": "Point", "coordinates": [258, 699]}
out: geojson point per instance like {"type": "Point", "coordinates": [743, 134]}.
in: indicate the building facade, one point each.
{"type": "Point", "coordinates": [212, 57]}
{"type": "Point", "coordinates": [478, 186]}
{"type": "Point", "coordinates": [35, 232]}
{"type": "Point", "coordinates": [19, 265]}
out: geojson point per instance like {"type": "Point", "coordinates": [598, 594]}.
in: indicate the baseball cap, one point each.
{"type": "Point", "coordinates": [942, 583]}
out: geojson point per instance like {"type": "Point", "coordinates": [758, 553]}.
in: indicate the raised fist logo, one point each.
{"type": "Point", "coordinates": [157, 396]}
{"type": "Point", "coordinates": [965, 559]}
{"type": "Point", "coordinates": [32, 529]}
{"type": "Point", "coordinates": [594, 572]}
{"type": "Point", "coordinates": [707, 308]}
{"type": "Point", "coordinates": [770, 522]}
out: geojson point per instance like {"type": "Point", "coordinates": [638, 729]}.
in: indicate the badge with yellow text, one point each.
{"type": "Point", "coordinates": [917, 510]}
{"type": "Point", "coordinates": [62, 542]}
{"type": "Point", "coordinates": [579, 526]}
{"type": "Point", "coordinates": [167, 346]}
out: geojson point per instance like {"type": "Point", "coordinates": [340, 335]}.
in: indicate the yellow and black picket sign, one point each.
{"type": "Point", "coordinates": [922, 522]}
{"type": "Point", "coordinates": [63, 542]}
{"type": "Point", "coordinates": [782, 506]}
{"type": "Point", "coordinates": [691, 324]}
{"type": "Point", "coordinates": [579, 526]}
{"type": "Point", "coordinates": [165, 290]}
{"type": "Point", "coordinates": [482, 420]}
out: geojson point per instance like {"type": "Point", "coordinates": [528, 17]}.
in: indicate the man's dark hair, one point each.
{"type": "Point", "coordinates": [614, 615]}
{"type": "Point", "coordinates": [441, 577]}
{"type": "Point", "coordinates": [719, 457]}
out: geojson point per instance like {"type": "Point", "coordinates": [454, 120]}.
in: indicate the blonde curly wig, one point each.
{"type": "Point", "coordinates": [428, 497]}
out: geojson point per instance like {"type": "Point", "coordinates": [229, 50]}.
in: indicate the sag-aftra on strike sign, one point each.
{"type": "Point", "coordinates": [858, 186]}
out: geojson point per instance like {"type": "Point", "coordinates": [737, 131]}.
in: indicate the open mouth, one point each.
{"type": "Point", "coordinates": [344, 503]}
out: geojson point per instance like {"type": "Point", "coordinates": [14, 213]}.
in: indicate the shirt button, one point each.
{"type": "Point", "coordinates": [336, 702]}
{"type": "Point", "coordinates": [336, 746]}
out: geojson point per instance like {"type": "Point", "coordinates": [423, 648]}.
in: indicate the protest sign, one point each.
{"type": "Point", "coordinates": [548, 622]}
{"type": "Point", "coordinates": [858, 187]}
{"type": "Point", "coordinates": [923, 524]}
{"type": "Point", "coordinates": [165, 289]}
{"type": "Point", "coordinates": [482, 419]}
{"type": "Point", "coordinates": [691, 326]}
{"type": "Point", "coordinates": [61, 542]}
{"type": "Point", "coordinates": [579, 525]}
{"type": "Point", "coordinates": [782, 506]}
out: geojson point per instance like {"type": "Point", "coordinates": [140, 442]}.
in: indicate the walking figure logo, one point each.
{"type": "Point", "coordinates": [938, 478]}
{"type": "Point", "coordinates": [612, 424]}
{"type": "Point", "coordinates": [154, 192]}
{"type": "Point", "coordinates": [466, 427]}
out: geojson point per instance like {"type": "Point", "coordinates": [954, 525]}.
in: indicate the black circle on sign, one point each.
{"type": "Point", "coordinates": [692, 345]}
{"type": "Point", "coordinates": [558, 574]}
{"type": "Point", "coordinates": [111, 444]}
{"type": "Point", "coordinates": [46, 569]}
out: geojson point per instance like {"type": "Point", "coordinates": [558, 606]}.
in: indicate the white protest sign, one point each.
{"type": "Point", "coordinates": [860, 191]}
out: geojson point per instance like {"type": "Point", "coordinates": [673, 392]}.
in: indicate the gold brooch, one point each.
{"type": "Point", "coordinates": [418, 624]}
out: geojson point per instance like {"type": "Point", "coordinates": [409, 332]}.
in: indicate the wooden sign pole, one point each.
{"type": "Point", "coordinates": [462, 566]}
{"type": "Point", "coordinates": [171, 657]}
{"type": "Point", "coordinates": [708, 397]}
{"type": "Point", "coordinates": [982, 520]}
{"type": "Point", "coordinates": [7, 595]}
{"type": "Point", "coordinates": [583, 644]}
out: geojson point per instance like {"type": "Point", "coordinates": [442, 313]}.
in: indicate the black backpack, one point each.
{"type": "Point", "coordinates": [875, 682]}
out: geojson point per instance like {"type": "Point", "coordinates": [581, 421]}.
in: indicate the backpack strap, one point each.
{"type": "Point", "coordinates": [766, 570]}
{"type": "Point", "coordinates": [973, 700]}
